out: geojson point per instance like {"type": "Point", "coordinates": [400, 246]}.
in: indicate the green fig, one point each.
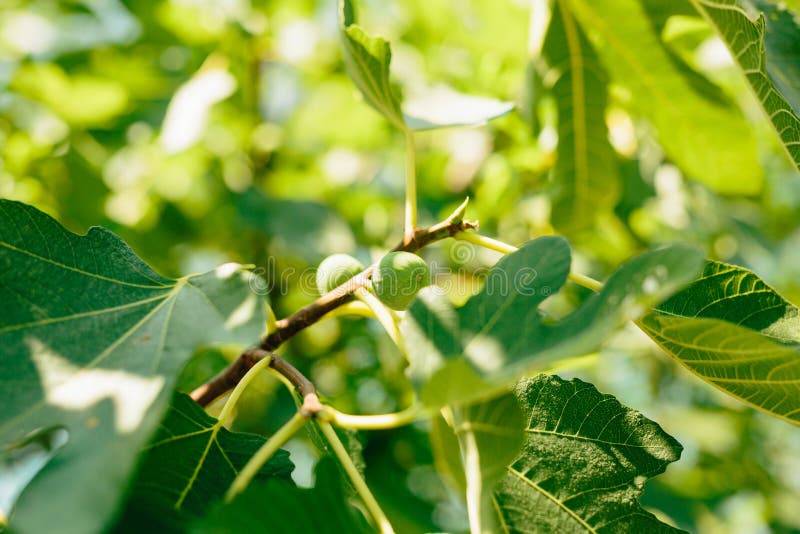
{"type": "Point", "coordinates": [398, 278]}
{"type": "Point", "coordinates": [335, 270]}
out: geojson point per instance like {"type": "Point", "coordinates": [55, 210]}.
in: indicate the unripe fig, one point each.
{"type": "Point", "coordinates": [398, 278]}
{"type": "Point", "coordinates": [335, 270]}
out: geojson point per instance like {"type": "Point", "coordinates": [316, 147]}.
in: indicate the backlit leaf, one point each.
{"type": "Point", "coordinates": [770, 70]}
{"type": "Point", "coordinates": [736, 333]}
{"type": "Point", "coordinates": [586, 175]}
{"type": "Point", "coordinates": [489, 435]}
{"type": "Point", "coordinates": [367, 60]}
{"type": "Point", "coordinates": [684, 119]}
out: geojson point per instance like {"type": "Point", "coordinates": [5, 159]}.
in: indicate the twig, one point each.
{"type": "Point", "coordinates": [373, 422]}
{"type": "Point", "coordinates": [230, 404]}
{"type": "Point", "coordinates": [308, 315]}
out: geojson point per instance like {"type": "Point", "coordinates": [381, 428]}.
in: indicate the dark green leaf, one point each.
{"type": "Point", "coordinates": [459, 355]}
{"type": "Point", "coordinates": [280, 508]}
{"type": "Point", "coordinates": [91, 340]}
{"type": "Point", "coordinates": [193, 459]}
{"type": "Point", "coordinates": [584, 463]}
{"type": "Point", "coordinates": [737, 333]}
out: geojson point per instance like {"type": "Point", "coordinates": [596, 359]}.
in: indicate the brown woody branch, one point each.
{"type": "Point", "coordinates": [310, 314]}
{"type": "Point", "coordinates": [304, 386]}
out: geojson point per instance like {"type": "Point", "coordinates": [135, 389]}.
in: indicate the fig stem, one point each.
{"type": "Point", "coordinates": [384, 316]}
{"type": "Point", "coordinates": [411, 186]}
{"type": "Point", "coordinates": [504, 248]}
{"type": "Point", "coordinates": [262, 455]}
{"type": "Point", "coordinates": [373, 422]}
{"type": "Point", "coordinates": [381, 521]}
{"type": "Point", "coordinates": [304, 317]}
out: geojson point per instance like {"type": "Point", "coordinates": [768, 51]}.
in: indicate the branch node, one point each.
{"type": "Point", "coordinates": [311, 406]}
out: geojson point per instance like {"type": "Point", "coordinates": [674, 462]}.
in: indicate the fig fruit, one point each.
{"type": "Point", "coordinates": [398, 278]}
{"type": "Point", "coordinates": [335, 270]}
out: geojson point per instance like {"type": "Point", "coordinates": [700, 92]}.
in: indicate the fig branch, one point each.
{"type": "Point", "coordinates": [288, 327]}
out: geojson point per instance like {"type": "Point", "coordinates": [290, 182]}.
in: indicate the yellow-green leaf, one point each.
{"type": "Point", "coordinates": [745, 37]}
{"type": "Point", "coordinates": [736, 333]}
{"type": "Point", "coordinates": [585, 178]}
{"type": "Point", "coordinates": [710, 141]}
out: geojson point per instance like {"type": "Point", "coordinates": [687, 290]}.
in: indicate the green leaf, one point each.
{"type": "Point", "coordinates": [770, 67]}
{"type": "Point", "coordinates": [584, 463]}
{"type": "Point", "coordinates": [91, 340]}
{"type": "Point", "coordinates": [354, 447]}
{"type": "Point", "coordinates": [585, 176]}
{"type": "Point", "coordinates": [280, 508]}
{"type": "Point", "coordinates": [470, 353]}
{"type": "Point", "coordinates": [489, 435]}
{"type": "Point", "coordinates": [682, 31]}
{"type": "Point", "coordinates": [736, 333]}
{"type": "Point", "coordinates": [192, 460]}
{"type": "Point", "coordinates": [447, 453]}
{"type": "Point", "coordinates": [21, 461]}
{"type": "Point", "coordinates": [442, 107]}
{"type": "Point", "coordinates": [367, 60]}
{"type": "Point", "coordinates": [683, 118]}
{"type": "Point", "coordinates": [783, 49]}
{"type": "Point", "coordinates": [67, 94]}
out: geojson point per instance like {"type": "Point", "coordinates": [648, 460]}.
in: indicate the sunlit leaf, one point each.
{"type": "Point", "coordinates": [81, 99]}
{"type": "Point", "coordinates": [367, 60]}
{"type": "Point", "coordinates": [736, 333]}
{"type": "Point", "coordinates": [585, 177]}
{"type": "Point", "coordinates": [91, 340]}
{"type": "Point", "coordinates": [463, 354]}
{"type": "Point", "coordinates": [770, 66]}
{"type": "Point", "coordinates": [783, 49]}
{"type": "Point", "coordinates": [442, 107]}
{"type": "Point", "coordinates": [684, 119]}
{"type": "Point", "coordinates": [584, 464]}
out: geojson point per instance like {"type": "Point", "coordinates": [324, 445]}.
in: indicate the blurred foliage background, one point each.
{"type": "Point", "coordinates": [208, 131]}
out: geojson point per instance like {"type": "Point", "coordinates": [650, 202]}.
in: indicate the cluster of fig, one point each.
{"type": "Point", "coordinates": [396, 280]}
